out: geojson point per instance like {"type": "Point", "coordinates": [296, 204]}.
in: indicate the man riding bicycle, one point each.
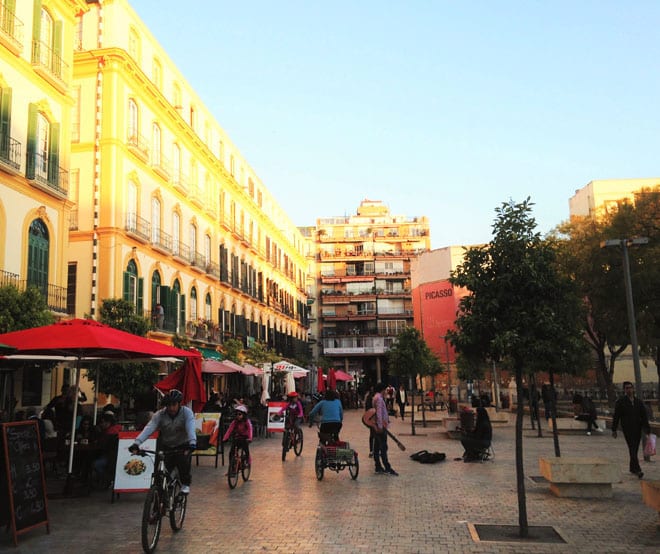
{"type": "Point", "coordinates": [176, 424]}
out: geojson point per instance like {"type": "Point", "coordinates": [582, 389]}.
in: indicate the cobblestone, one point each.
{"type": "Point", "coordinates": [427, 509]}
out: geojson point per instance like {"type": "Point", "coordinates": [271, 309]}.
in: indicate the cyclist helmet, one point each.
{"type": "Point", "coordinates": [241, 408]}
{"type": "Point", "coordinates": [292, 394]}
{"type": "Point", "coordinates": [173, 397]}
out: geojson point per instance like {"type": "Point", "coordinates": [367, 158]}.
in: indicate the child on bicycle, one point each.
{"type": "Point", "coordinates": [240, 429]}
{"type": "Point", "coordinates": [294, 409]}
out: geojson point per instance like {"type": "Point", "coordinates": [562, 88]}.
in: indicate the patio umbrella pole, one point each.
{"type": "Point", "coordinates": [68, 485]}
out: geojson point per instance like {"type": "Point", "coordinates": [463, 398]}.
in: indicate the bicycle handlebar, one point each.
{"type": "Point", "coordinates": [178, 450]}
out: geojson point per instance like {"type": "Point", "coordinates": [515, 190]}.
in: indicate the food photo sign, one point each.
{"type": "Point", "coordinates": [133, 473]}
{"type": "Point", "coordinates": [275, 418]}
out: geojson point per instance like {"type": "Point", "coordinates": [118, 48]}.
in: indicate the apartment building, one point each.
{"type": "Point", "coordinates": [36, 61]}
{"type": "Point", "coordinates": [364, 288]}
{"type": "Point", "coordinates": [606, 194]}
{"type": "Point", "coordinates": [167, 210]}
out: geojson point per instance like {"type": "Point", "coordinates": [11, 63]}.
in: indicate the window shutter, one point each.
{"type": "Point", "coordinates": [127, 286]}
{"type": "Point", "coordinates": [182, 312]}
{"type": "Point", "coordinates": [54, 155]}
{"type": "Point", "coordinates": [36, 28]}
{"type": "Point", "coordinates": [31, 141]}
{"type": "Point", "coordinates": [139, 309]}
{"type": "Point", "coordinates": [5, 122]}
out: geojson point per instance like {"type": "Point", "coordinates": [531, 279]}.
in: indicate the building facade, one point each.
{"type": "Point", "coordinates": [36, 62]}
{"type": "Point", "coordinates": [169, 214]}
{"type": "Point", "coordinates": [364, 291]}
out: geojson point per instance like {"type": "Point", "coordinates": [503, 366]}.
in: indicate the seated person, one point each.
{"type": "Point", "coordinates": [107, 442]}
{"type": "Point", "coordinates": [332, 416]}
{"type": "Point", "coordinates": [85, 435]}
{"type": "Point", "coordinates": [588, 413]}
{"type": "Point", "coordinates": [478, 440]}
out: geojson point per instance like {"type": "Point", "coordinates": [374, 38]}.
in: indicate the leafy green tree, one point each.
{"type": "Point", "coordinates": [23, 310]}
{"type": "Point", "coordinates": [512, 311]}
{"type": "Point", "coordinates": [234, 350]}
{"type": "Point", "coordinates": [126, 381]}
{"type": "Point", "coordinates": [410, 356]}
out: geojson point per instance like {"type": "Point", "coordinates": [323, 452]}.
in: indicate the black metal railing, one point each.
{"type": "Point", "coordinates": [55, 178]}
{"type": "Point", "coordinates": [11, 26]}
{"type": "Point", "coordinates": [54, 295]}
{"type": "Point", "coordinates": [44, 56]}
{"type": "Point", "coordinates": [138, 226]}
{"type": "Point", "coordinates": [10, 152]}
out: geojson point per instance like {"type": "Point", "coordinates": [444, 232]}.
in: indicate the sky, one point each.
{"type": "Point", "coordinates": [442, 109]}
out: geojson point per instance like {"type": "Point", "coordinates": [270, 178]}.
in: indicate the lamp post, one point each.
{"type": "Point", "coordinates": [624, 244]}
{"type": "Point", "coordinates": [444, 337]}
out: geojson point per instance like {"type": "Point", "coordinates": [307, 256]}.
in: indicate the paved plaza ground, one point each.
{"type": "Point", "coordinates": [427, 509]}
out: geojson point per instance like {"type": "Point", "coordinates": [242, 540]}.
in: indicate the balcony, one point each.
{"type": "Point", "coordinates": [11, 31]}
{"type": "Point", "coordinates": [47, 176]}
{"type": "Point", "coordinates": [55, 295]}
{"type": "Point", "coordinates": [180, 182]}
{"type": "Point", "coordinates": [356, 345]}
{"type": "Point", "coordinates": [138, 145]}
{"type": "Point", "coordinates": [195, 194]}
{"type": "Point", "coordinates": [161, 241]}
{"type": "Point", "coordinates": [161, 165]}
{"type": "Point", "coordinates": [138, 228]}
{"type": "Point", "coordinates": [204, 330]}
{"type": "Point", "coordinates": [213, 269]}
{"type": "Point", "coordinates": [10, 154]}
{"type": "Point", "coordinates": [49, 65]}
{"type": "Point", "coordinates": [198, 261]}
{"type": "Point", "coordinates": [181, 251]}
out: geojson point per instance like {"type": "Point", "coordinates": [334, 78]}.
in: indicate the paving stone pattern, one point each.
{"type": "Point", "coordinates": [284, 509]}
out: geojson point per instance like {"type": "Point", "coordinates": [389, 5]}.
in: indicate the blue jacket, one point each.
{"type": "Point", "coordinates": [331, 411]}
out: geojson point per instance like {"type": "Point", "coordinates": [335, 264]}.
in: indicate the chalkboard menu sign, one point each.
{"type": "Point", "coordinates": [26, 484]}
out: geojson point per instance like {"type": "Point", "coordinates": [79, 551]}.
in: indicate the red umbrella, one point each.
{"type": "Point", "coordinates": [332, 379]}
{"type": "Point", "coordinates": [320, 380]}
{"type": "Point", "coordinates": [85, 339]}
{"type": "Point", "coordinates": [342, 376]}
{"type": "Point", "coordinates": [187, 379]}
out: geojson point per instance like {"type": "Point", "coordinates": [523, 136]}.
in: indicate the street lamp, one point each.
{"type": "Point", "coordinates": [624, 244]}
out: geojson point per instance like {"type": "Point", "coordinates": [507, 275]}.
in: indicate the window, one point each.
{"type": "Point", "coordinates": [176, 97]}
{"type": "Point", "coordinates": [207, 249]}
{"type": "Point", "coordinates": [192, 238]}
{"type": "Point", "coordinates": [231, 165]}
{"type": "Point", "coordinates": [176, 164]}
{"type": "Point", "coordinates": [208, 312]}
{"type": "Point", "coordinates": [9, 149]}
{"type": "Point", "coordinates": [133, 287]}
{"type": "Point", "coordinates": [176, 232]}
{"type": "Point", "coordinates": [155, 145]}
{"type": "Point", "coordinates": [155, 220]}
{"type": "Point", "coordinates": [43, 140]}
{"type": "Point", "coordinates": [133, 128]}
{"type": "Point", "coordinates": [134, 45]}
{"type": "Point", "coordinates": [38, 254]}
{"type": "Point", "coordinates": [42, 149]}
{"type": "Point", "coordinates": [75, 115]}
{"type": "Point", "coordinates": [131, 206]}
{"type": "Point", "coordinates": [193, 304]}
{"type": "Point", "coordinates": [157, 74]}
{"type": "Point", "coordinates": [47, 46]}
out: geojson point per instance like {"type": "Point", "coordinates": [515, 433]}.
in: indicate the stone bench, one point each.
{"type": "Point", "coordinates": [580, 477]}
{"type": "Point", "coordinates": [497, 417]}
{"type": "Point", "coordinates": [571, 425]}
{"type": "Point", "coordinates": [651, 496]}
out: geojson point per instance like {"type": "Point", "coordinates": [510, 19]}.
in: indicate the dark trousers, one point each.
{"type": "Point", "coordinates": [182, 462]}
{"type": "Point", "coordinates": [591, 421]}
{"type": "Point", "coordinates": [380, 451]}
{"type": "Point", "coordinates": [372, 440]}
{"type": "Point", "coordinates": [402, 409]}
{"type": "Point", "coordinates": [633, 440]}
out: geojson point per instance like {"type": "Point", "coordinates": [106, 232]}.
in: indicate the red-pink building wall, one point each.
{"type": "Point", "coordinates": [434, 310]}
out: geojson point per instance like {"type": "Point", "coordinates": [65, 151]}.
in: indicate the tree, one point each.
{"type": "Point", "coordinates": [128, 380]}
{"type": "Point", "coordinates": [512, 311]}
{"type": "Point", "coordinates": [233, 349]}
{"type": "Point", "coordinates": [410, 356]}
{"type": "Point", "coordinates": [23, 310]}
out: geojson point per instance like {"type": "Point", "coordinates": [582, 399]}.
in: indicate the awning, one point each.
{"type": "Point", "coordinates": [210, 354]}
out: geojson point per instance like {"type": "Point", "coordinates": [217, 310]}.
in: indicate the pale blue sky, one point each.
{"type": "Point", "coordinates": [438, 108]}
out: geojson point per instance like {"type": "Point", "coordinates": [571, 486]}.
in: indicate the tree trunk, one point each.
{"type": "Point", "coordinates": [520, 472]}
{"type": "Point", "coordinates": [553, 413]}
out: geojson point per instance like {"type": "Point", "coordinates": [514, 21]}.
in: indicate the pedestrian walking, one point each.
{"type": "Point", "coordinates": [630, 411]}
{"type": "Point", "coordinates": [401, 400]}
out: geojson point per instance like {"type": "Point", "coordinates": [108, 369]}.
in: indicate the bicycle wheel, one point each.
{"type": "Point", "coordinates": [354, 468]}
{"type": "Point", "coordinates": [246, 467]}
{"type": "Point", "coordinates": [285, 444]}
{"type": "Point", "coordinates": [232, 474]}
{"type": "Point", "coordinates": [178, 511]}
{"type": "Point", "coordinates": [151, 519]}
{"type": "Point", "coordinates": [319, 464]}
{"type": "Point", "coordinates": [298, 442]}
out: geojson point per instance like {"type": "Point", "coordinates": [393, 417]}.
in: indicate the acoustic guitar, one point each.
{"type": "Point", "coordinates": [369, 420]}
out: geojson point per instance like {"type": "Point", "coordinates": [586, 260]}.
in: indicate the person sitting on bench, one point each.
{"type": "Point", "coordinates": [477, 442]}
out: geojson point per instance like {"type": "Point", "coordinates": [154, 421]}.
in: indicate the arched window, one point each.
{"type": "Point", "coordinates": [180, 307]}
{"type": "Point", "coordinates": [155, 221]}
{"type": "Point", "coordinates": [192, 239]}
{"type": "Point", "coordinates": [133, 123]}
{"type": "Point", "coordinates": [38, 254]}
{"type": "Point", "coordinates": [176, 233]}
{"type": "Point", "coordinates": [193, 304]}
{"type": "Point", "coordinates": [208, 313]}
{"type": "Point", "coordinates": [133, 286]}
{"type": "Point", "coordinates": [155, 145]}
{"type": "Point", "coordinates": [155, 289]}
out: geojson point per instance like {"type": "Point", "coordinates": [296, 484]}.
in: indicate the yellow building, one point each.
{"type": "Point", "coordinates": [168, 210]}
{"type": "Point", "coordinates": [604, 195]}
{"type": "Point", "coordinates": [364, 280]}
{"type": "Point", "coordinates": [36, 60]}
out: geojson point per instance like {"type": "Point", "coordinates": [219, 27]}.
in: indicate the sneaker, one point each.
{"type": "Point", "coordinates": [640, 474]}
{"type": "Point", "coordinates": [185, 489]}
{"type": "Point", "coordinates": [395, 474]}
{"type": "Point", "coordinates": [589, 433]}
{"type": "Point", "coordinates": [599, 430]}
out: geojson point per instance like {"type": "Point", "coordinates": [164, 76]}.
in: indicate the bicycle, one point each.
{"type": "Point", "coordinates": [239, 461]}
{"type": "Point", "coordinates": [163, 498]}
{"type": "Point", "coordinates": [293, 438]}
